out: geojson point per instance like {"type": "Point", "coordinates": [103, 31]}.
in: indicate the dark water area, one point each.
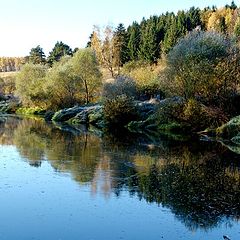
{"type": "Point", "coordinates": [62, 183]}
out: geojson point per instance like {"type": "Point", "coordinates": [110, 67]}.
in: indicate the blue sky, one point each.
{"type": "Point", "coordinates": [28, 23]}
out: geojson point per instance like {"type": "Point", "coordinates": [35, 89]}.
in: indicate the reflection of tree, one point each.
{"type": "Point", "coordinates": [7, 127]}
{"type": "Point", "coordinates": [65, 151]}
{"type": "Point", "coordinates": [199, 182]}
{"type": "Point", "coordinates": [75, 154]}
{"type": "Point", "coordinates": [29, 138]}
{"type": "Point", "coordinates": [200, 190]}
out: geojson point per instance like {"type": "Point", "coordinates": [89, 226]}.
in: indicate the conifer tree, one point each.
{"type": "Point", "coordinates": [60, 49]}
{"type": "Point", "coordinates": [37, 56]}
{"type": "Point", "coordinates": [134, 39]}
{"type": "Point", "coordinates": [149, 46]}
{"type": "Point", "coordinates": [120, 40]}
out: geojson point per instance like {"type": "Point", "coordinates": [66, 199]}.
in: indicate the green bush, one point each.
{"type": "Point", "coordinates": [119, 111]}
{"type": "Point", "coordinates": [62, 86]}
{"type": "Point", "coordinates": [171, 110]}
{"type": "Point", "coordinates": [31, 111]}
{"type": "Point", "coordinates": [200, 117]}
{"type": "Point", "coordinates": [72, 80]}
{"type": "Point", "coordinates": [29, 85]}
{"type": "Point", "coordinates": [145, 77]}
{"type": "Point", "coordinates": [203, 66]}
{"type": "Point", "coordinates": [192, 113]}
{"type": "Point", "coordinates": [189, 113]}
{"type": "Point", "coordinates": [7, 84]}
{"type": "Point", "coordinates": [122, 85]}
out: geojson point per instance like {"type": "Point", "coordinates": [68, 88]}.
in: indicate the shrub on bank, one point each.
{"type": "Point", "coordinates": [119, 86]}
{"type": "Point", "coordinates": [189, 113]}
{"type": "Point", "coordinates": [145, 77]}
{"type": "Point", "coordinates": [7, 84]}
{"type": "Point", "coordinates": [200, 117]}
{"type": "Point", "coordinates": [119, 111]}
{"type": "Point", "coordinates": [203, 66]}
{"type": "Point", "coordinates": [70, 81]}
{"type": "Point", "coordinates": [29, 85]}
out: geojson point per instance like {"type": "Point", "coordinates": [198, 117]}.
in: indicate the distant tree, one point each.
{"type": "Point", "coordinates": [214, 8]}
{"type": "Point", "coordinates": [160, 27]}
{"type": "Point", "coordinates": [149, 46]}
{"type": "Point", "coordinates": [60, 49]}
{"type": "Point", "coordinates": [120, 51]}
{"type": "Point", "coordinates": [89, 43]}
{"type": "Point", "coordinates": [171, 36]}
{"type": "Point", "coordinates": [37, 56]}
{"type": "Point", "coordinates": [222, 20]}
{"type": "Point", "coordinates": [9, 64]}
{"type": "Point", "coordinates": [134, 40]}
{"type": "Point", "coordinates": [230, 16]}
{"type": "Point", "coordinates": [222, 25]}
{"type": "Point", "coordinates": [183, 24]}
{"type": "Point", "coordinates": [177, 26]}
{"type": "Point", "coordinates": [75, 50]}
{"type": "Point", "coordinates": [102, 44]}
{"type": "Point", "coordinates": [205, 15]}
{"type": "Point", "coordinates": [233, 6]}
{"type": "Point", "coordinates": [194, 18]}
{"type": "Point", "coordinates": [214, 22]}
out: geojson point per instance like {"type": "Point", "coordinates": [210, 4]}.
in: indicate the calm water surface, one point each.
{"type": "Point", "coordinates": [62, 183]}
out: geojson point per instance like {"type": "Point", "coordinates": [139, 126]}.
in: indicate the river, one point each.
{"type": "Point", "coordinates": [57, 182]}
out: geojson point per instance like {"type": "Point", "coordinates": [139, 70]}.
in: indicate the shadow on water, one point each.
{"type": "Point", "coordinates": [199, 182]}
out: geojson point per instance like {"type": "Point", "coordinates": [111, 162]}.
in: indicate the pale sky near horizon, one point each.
{"type": "Point", "coordinates": [28, 23]}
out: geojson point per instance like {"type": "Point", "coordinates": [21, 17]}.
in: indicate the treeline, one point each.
{"type": "Point", "coordinates": [157, 35]}
{"type": "Point", "coordinates": [36, 56]}
{"type": "Point", "coordinates": [60, 49]}
{"type": "Point", "coordinates": [11, 64]}
{"type": "Point", "coordinates": [148, 40]}
{"type": "Point", "coordinates": [145, 41]}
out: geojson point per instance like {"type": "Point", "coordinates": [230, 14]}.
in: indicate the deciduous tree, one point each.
{"type": "Point", "coordinates": [86, 68]}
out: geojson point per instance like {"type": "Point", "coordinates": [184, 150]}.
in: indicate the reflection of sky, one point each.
{"type": "Point", "coordinates": [39, 203]}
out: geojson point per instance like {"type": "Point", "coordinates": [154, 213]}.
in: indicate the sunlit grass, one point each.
{"type": "Point", "coordinates": [7, 74]}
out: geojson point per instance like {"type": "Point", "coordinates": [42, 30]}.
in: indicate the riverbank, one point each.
{"type": "Point", "coordinates": [155, 117]}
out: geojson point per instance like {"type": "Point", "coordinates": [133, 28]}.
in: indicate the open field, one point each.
{"type": "Point", "coordinates": [6, 74]}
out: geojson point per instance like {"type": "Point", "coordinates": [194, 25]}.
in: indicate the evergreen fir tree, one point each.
{"type": "Point", "coordinates": [134, 39]}
{"type": "Point", "coordinates": [37, 56]}
{"type": "Point", "coordinates": [60, 49]}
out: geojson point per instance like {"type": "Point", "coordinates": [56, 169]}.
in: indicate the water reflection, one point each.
{"type": "Point", "coordinates": [200, 182]}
